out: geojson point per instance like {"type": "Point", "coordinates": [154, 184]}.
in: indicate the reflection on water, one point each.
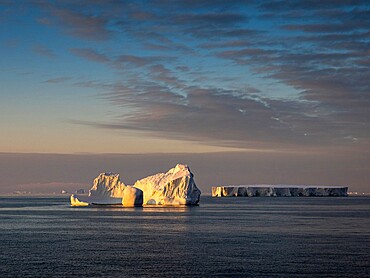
{"type": "Point", "coordinates": [44, 237]}
{"type": "Point", "coordinates": [174, 209]}
{"type": "Point", "coordinates": [149, 208]}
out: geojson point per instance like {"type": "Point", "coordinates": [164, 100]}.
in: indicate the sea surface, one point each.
{"type": "Point", "coordinates": [222, 237]}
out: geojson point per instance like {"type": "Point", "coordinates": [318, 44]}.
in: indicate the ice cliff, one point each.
{"type": "Point", "coordinates": [132, 197]}
{"type": "Point", "coordinates": [107, 189]}
{"type": "Point", "coordinates": [279, 191]}
{"type": "Point", "coordinates": [175, 187]}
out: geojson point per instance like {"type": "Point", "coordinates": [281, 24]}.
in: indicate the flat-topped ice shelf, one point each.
{"type": "Point", "coordinates": [279, 191]}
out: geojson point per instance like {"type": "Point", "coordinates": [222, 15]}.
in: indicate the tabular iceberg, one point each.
{"type": "Point", "coordinates": [176, 187]}
{"type": "Point", "coordinates": [279, 191]}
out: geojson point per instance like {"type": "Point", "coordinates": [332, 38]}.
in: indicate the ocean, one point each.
{"type": "Point", "coordinates": [222, 237]}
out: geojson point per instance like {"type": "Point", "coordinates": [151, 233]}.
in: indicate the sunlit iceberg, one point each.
{"type": "Point", "coordinates": [107, 189]}
{"type": "Point", "coordinates": [175, 187]}
{"type": "Point", "coordinates": [132, 197]}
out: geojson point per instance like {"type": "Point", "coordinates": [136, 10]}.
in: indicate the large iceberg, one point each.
{"type": "Point", "coordinates": [279, 191]}
{"type": "Point", "coordinates": [175, 187]}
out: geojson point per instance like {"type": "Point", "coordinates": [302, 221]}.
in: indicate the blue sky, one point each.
{"type": "Point", "coordinates": [185, 76]}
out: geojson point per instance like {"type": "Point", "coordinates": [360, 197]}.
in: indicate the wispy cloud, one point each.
{"type": "Point", "coordinates": [138, 61]}
{"type": "Point", "coordinates": [43, 51]}
{"type": "Point", "coordinates": [58, 80]}
{"type": "Point", "coordinates": [90, 54]}
{"type": "Point", "coordinates": [184, 68]}
{"type": "Point", "coordinates": [84, 25]}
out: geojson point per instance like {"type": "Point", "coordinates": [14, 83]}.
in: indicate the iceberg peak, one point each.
{"type": "Point", "coordinates": [175, 187]}
{"type": "Point", "coordinates": [107, 185]}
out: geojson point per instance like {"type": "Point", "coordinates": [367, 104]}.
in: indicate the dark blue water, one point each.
{"type": "Point", "coordinates": [223, 237]}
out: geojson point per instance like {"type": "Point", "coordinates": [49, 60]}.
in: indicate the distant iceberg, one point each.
{"type": "Point", "coordinates": [279, 191]}
{"type": "Point", "coordinates": [175, 187]}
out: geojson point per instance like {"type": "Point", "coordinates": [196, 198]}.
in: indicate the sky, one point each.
{"type": "Point", "coordinates": [271, 82]}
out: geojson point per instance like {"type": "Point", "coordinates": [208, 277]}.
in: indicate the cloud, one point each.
{"type": "Point", "coordinates": [219, 34]}
{"type": "Point", "coordinates": [90, 54]}
{"type": "Point", "coordinates": [162, 74]}
{"type": "Point", "coordinates": [231, 72]}
{"type": "Point", "coordinates": [239, 55]}
{"type": "Point", "coordinates": [315, 5]}
{"type": "Point", "coordinates": [220, 117]}
{"type": "Point", "coordinates": [226, 44]}
{"type": "Point", "coordinates": [329, 28]}
{"type": "Point", "coordinates": [136, 60]}
{"type": "Point", "coordinates": [82, 25]}
{"type": "Point", "coordinates": [345, 167]}
{"type": "Point", "coordinates": [43, 51]}
{"type": "Point", "coordinates": [58, 80]}
{"type": "Point", "coordinates": [210, 20]}
{"type": "Point", "coordinates": [326, 68]}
